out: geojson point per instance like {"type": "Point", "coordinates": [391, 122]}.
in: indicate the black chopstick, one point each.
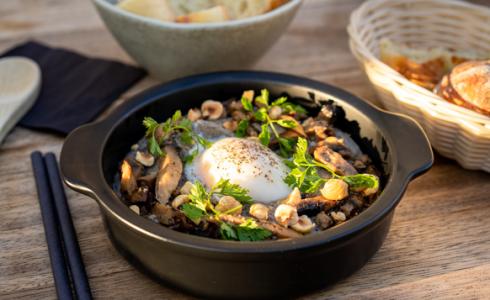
{"type": "Point", "coordinates": [72, 249]}
{"type": "Point", "coordinates": [60, 233]}
{"type": "Point", "coordinates": [55, 248]}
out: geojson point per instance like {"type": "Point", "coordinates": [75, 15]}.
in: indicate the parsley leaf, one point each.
{"type": "Point", "coordinates": [175, 124]}
{"type": "Point", "coordinates": [194, 213]}
{"type": "Point", "coordinates": [304, 174]}
{"type": "Point", "coordinates": [227, 232]}
{"type": "Point", "coordinates": [263, 98]}
{"type": "Point", "coordinates": [247, 231]}
{"type": "Point", "coordinates": [361, 181]}
{"type": "Point", "coordinates": [153, 145]}
{"type": "Point", "coordinates": [247, 104]}
{"type": "Point", "coordinates": [250, 231]}
{"type": "Point", "coordinates": [225, 188]}
{"type": "Point", "coordinates": [279, 101]}
{"type": "Point", "coordinates": [241, 130]}
{"type": "Point", "coordinates": [265, 135]}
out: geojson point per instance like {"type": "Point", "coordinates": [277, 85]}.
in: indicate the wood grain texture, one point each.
{"type": "Point", "coordinates": [438, 246]}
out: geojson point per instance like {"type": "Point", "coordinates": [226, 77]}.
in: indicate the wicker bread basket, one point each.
{"type": "Point", "coordinates": [454, 131]}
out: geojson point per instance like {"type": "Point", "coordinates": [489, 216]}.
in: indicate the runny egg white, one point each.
{"type": "Point", "coordinates": [244, 162]}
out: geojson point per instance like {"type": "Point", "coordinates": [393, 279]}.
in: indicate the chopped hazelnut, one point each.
{"type": "Point", "coordinates": [286, 215]}
{"type": "Point", "coordinates": [259, 211]}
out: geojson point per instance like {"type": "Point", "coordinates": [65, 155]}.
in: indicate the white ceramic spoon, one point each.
{"type": "Point", "coordinates": [20, 82]}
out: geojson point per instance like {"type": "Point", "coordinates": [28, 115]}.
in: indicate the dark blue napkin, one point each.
{"type": "Point", "coordinates": [75, 89]}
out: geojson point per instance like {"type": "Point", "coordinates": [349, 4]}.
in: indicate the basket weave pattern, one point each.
{"type": "Point", "coordinates": [455, 132]}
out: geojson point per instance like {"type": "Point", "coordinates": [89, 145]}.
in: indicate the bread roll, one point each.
{"type": "Point", "coordinates": [468, 85]}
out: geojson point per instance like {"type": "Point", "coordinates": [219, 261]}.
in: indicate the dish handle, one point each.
{"type": "Point", "coordinates": [414, 154]}
{"type": "Point", "coordinates": [80, 157]}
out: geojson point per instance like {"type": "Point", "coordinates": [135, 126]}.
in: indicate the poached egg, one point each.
{"type": "Point", "coordinates": [244, 162]}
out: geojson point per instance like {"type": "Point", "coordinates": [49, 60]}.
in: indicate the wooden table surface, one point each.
{"type": "Point", "coordinates": [438, 246]}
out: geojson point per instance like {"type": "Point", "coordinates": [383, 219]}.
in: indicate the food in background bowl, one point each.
{"type": "Point", "coordinates": [458, 77]}
{"type": "Point", "coordinates": [468, 85]}
{"type": "Point", "coordinates": [170, 50]}
{"type": "Point", "coordinates": [199, 11]}
{"type": "Point", "coordinates": [248, 170]}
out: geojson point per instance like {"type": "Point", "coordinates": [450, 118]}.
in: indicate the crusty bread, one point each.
{"type": "Point", "coordinates": [423, 67]}
{"type": "Point", "coordinates": [214, 14]}
{"type": "Point", "coordinates": [156, 9]}
{"type": "Point", "coordinates": [468, 85]}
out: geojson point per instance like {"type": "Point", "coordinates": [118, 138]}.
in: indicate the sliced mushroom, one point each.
{"type": "Point", "coordinates": [314, 205]}
{"type": "Point", "coordinates": [298, 128]}
{"type": "Point", "coordinates": [179, 200]}
{"type": "Point", "coordinates": [304, 225]}
{"type": "Point", "coordinates": [128, 180]}
{"type": "Point", "coordinates": [164, 213]}
{"type": "Point", "coordinates": [286, 215]}
{"type": "Point", "coordinates": [312, 126]}
{"type": "Point", "coordinates": [279, 231]}
{"type": "Point", "coordinates": [259, 211]}
{"type": "Point", "coordinates": [194, 114]}
{"type": "Point", "coordinates": [212, 110]}
{"type": "Point", "coordinates": [294, 197]}
{"type": "Point", "coordinates": [335, 189]}
{"type": "Point", "coordinates": [145, 158]}
{"type": "Point", "coordinates": [334, 160]}
{"type": "Point", "coordinates": [168, 175]}
{"type": "Point", "coordinates": [229, 204]}
{"type": "Point", "coordinates": [289, 134]}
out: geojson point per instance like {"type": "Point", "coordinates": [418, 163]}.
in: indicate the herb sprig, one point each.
{"type": "Point", "coordinates": [304, 172]}
{"type": "Point", "coordinates": [200, 206]}
{"type": "Point", "coordinates": [268, 127]}
{"type": "Point", "coordinates": [176, 124]}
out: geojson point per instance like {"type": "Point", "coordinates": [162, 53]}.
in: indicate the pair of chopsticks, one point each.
{"type": "Point", "coordinates": [70, 278]}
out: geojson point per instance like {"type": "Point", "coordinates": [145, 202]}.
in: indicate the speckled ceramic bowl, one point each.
{"type": "Point", "coordinates": [171, 50]}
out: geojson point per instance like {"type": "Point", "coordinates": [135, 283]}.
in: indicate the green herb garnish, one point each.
{"type": "Point", "coordinates": [268, 128]}
{"type": "Point", "coordinates": [304, 174]}
{"type": "Point", "coordinates": [225, 188]}
{"type": "Point", "coordinates": [200, 206]}
{"type": "Point", "coordinates": [176, 124]}
{"type": "Point", "coordinates": [247, 231]}
{"type": "Point", "coordinates": [241, 130]}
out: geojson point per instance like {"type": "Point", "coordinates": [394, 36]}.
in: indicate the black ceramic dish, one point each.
{"type": "Point", "coordinates": [226, 269]}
